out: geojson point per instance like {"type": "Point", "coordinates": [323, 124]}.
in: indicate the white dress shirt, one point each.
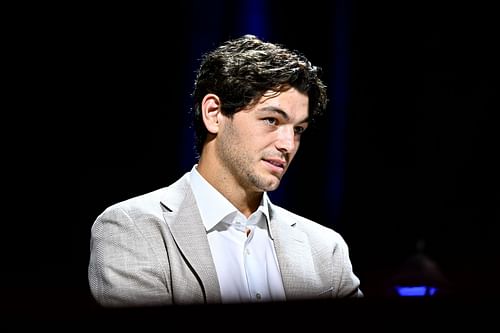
{"type": "Point", "coordinates": [246, 266]}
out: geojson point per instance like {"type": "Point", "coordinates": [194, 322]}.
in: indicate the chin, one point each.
{"type": "Point", "coordinates": [267, 182]}
{"type": "Point", "coordinates": [272, 186]}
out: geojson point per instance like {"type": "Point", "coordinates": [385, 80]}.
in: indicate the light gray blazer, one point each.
{"type": "Point", "coordinates": [153, 250]}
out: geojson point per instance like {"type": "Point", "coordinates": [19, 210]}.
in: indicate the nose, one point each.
{"type": "Point", "coordinates": [286, 139]}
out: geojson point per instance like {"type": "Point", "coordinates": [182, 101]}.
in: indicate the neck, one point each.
{"type": "Point", "coordinates": [245, 200]}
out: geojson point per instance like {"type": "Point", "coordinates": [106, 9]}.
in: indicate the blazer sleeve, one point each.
{"type": "Point", "coordinates": [348, 283]}
{"type": "Point", "coordinates": [124, 269]}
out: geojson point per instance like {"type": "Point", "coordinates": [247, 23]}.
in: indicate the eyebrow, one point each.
{"type": "Point", "coordinates": [282, 113]}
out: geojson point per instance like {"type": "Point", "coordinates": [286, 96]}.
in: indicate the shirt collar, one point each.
{"type": "Point", "coordinates": [214, 207]}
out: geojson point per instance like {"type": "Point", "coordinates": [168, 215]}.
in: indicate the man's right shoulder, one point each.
{"type": "Point", "coordinates": [150, 202]}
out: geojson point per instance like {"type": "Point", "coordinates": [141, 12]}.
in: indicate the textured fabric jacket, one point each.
{"type": "Point", "coordinates": [153, 250]}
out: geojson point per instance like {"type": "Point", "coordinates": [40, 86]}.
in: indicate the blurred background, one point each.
{"type": "Point", "coordinates": [403, 165]}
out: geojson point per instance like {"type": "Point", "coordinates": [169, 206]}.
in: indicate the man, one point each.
{"type": "Point", "coordinates": [214, 236]}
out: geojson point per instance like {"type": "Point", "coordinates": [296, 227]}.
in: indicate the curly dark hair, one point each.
{"type": "Point", "coordinates": [241, 70]}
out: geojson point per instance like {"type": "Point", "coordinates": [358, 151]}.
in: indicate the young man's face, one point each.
{"type": "Point", "coordinates": [257, 145]}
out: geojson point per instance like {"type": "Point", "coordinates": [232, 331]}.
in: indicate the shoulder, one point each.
{"type": "Point", "coordinates": [150, 203]}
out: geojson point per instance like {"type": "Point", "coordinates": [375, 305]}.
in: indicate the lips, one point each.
{"type": "Point", "coordinates": [276, 163]}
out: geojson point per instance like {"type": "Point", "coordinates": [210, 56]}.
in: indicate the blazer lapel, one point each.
{"type": "Point", "coordinates": [294, 258]}
{"type": "Point", "coordinates": [190, 236]}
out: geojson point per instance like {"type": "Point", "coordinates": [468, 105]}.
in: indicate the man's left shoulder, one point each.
{"type": "Point", "coordinates": [302, 223]}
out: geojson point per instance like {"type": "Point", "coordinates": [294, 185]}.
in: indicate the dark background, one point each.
{"type": "Point", "coordinates": [404, 161]}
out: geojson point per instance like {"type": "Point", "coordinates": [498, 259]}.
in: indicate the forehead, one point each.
{"type": "Point", "coordinates": [290, 101]}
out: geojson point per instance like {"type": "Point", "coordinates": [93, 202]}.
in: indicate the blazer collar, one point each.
{"type": "Point", "coordinates": [294, 256]}
{"type": "Point", "coordinates": [183, 219]}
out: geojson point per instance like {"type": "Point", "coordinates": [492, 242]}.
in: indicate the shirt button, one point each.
{"type": "Point", "coordinates": [258, 296]}
{"type": "Point", "coordinates": [247, 251]}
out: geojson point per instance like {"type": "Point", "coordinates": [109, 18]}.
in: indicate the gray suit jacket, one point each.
{"type": "Point", "coordinates": [153, 250]}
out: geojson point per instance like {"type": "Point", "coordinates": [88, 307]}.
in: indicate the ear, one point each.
{"type": "Point", "coordinates": [210, 110]}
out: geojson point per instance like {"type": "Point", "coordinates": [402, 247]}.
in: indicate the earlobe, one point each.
{"type": "Point", "coordinates": [210, 108]}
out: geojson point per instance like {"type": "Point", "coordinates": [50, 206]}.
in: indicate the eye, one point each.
{"type": "Point", "coordinates": [299, 130]}
{"type": "Point", "coordinates": [271, 121]}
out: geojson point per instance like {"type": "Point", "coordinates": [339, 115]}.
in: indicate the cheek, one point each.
{"type": "Point", "coordinates": [296, 147]}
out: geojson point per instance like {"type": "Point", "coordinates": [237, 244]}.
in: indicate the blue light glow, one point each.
{"type": "Point", "coordinates": [415, 291]}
